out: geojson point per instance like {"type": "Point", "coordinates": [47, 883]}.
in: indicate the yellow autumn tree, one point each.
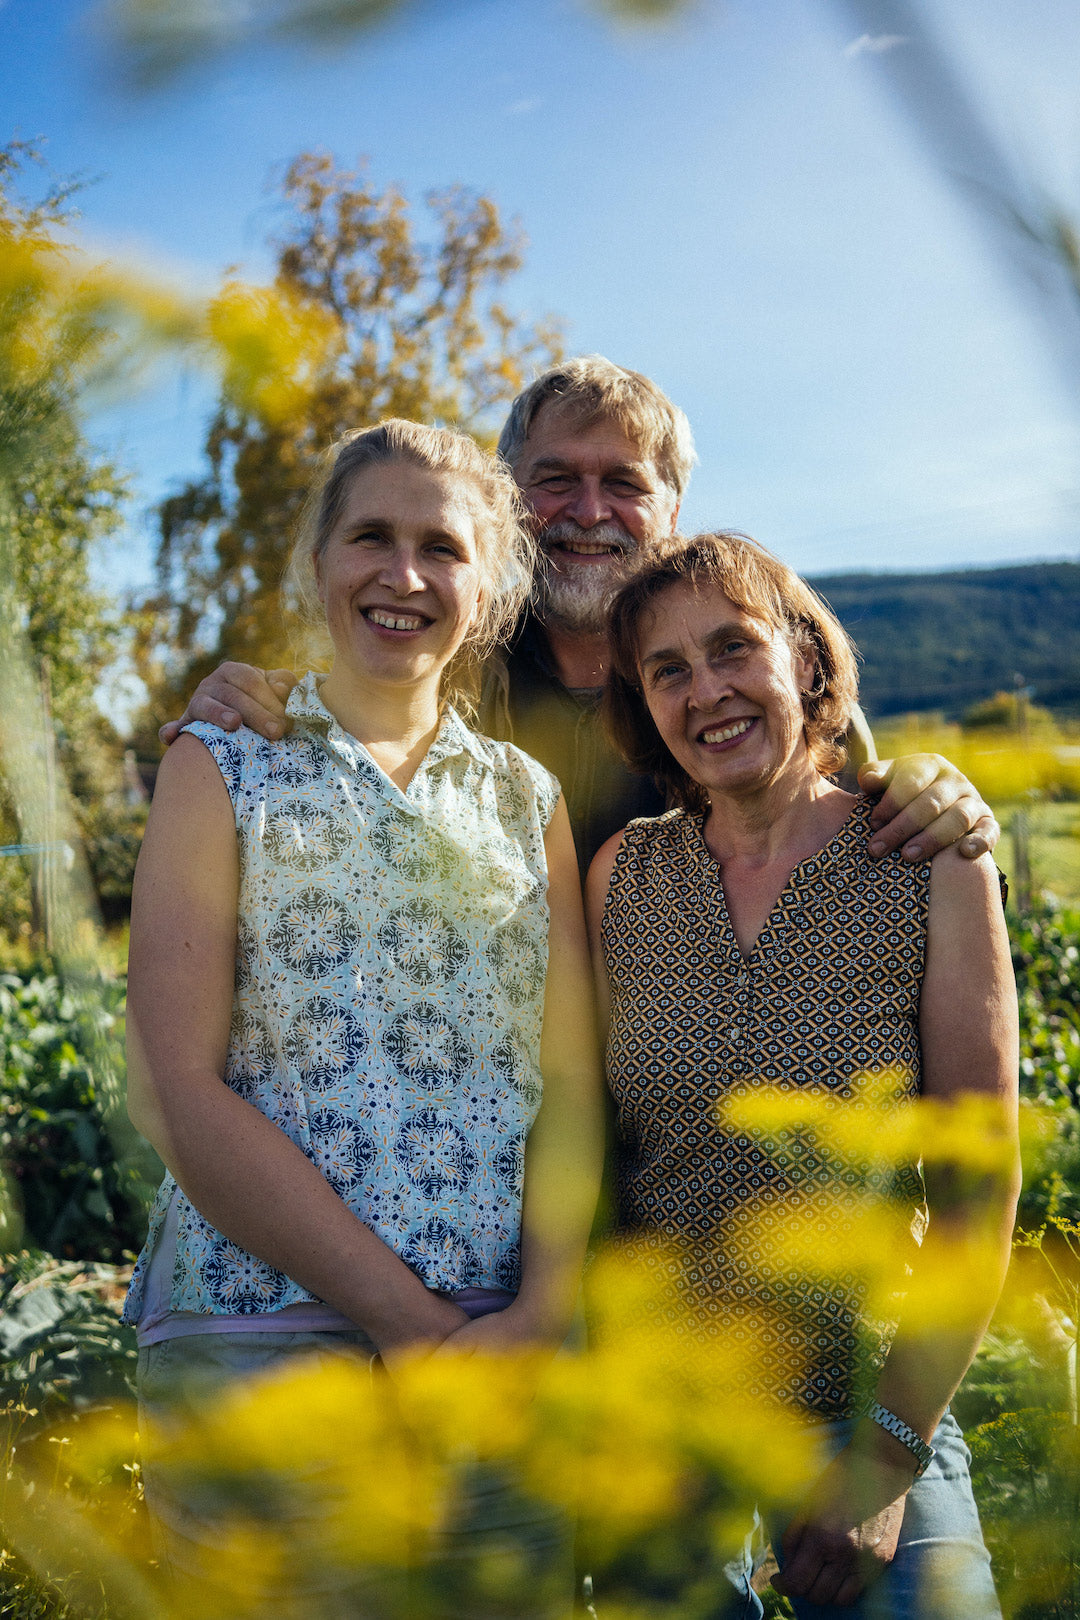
{"type": "Point", "coordinates": [407, 324]}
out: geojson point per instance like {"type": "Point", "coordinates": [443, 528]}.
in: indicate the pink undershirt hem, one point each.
{"type": "Point", "coordinates": [158, 1322]}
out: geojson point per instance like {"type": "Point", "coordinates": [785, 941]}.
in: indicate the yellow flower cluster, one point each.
{"type": "Point", "coordinates": [332, 1473]}
{"type": "Point", "coordinates": [64, 315]}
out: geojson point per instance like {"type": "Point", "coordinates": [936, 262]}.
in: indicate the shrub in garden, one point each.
{"type": "Point", "coordinates": [61, 1342]}
{"type": "Point", "coordinates": [73, 1530]}
{"type": "Point", "coordinates": [1046, 960]}
{"type": "Point", "coordinates": [112, 836]}
{"type": "Point", "coordinates": [1018, 1403]}
{"type": "Point", "coordinates": [78, 1175]}
{"type": "Point", "coordinates": [1026, 1451]}
{"type": "Point", "coordinates": [74, 1182]}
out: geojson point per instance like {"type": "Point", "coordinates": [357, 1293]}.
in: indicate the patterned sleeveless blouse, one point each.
{"type": "Point", "coordinates": [828, 995]}
{"type": "Point", "coordinates": [391, 962]}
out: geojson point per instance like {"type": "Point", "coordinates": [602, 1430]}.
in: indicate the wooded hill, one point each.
{"type": "Point", "coordinates": [944, 641]}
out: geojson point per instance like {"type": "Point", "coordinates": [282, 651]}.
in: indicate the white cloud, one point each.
{"type": "Point", "coordinates": [875, 44]}
{"type": "Point", "coordinates": [518, 109]}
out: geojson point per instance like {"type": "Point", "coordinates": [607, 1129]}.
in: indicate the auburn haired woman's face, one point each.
{"type": "Point", "coordinates": [724, 689]}
{"type": "Point", "coordinates": [400, 577]}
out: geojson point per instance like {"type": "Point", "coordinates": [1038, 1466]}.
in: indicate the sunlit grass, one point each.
{"type": "Point", "coordinates": [1054, 844]}
{"type": "Point", "coordinates": [1035, 778]}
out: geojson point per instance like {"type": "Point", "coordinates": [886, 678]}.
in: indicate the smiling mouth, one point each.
{"type": "Point", "coordinates": [587, 548]}
{"type": "Point", "coordinates": [394, 621]}
{"type": "Point", "coordinates": [719, 734]}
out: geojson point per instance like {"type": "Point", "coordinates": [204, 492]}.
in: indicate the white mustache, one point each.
{"type": "Point", "coordinates": [603, 534]}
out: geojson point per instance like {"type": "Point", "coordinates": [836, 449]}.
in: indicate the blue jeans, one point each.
{"type": "Point", "coordinates": [941, 1570]}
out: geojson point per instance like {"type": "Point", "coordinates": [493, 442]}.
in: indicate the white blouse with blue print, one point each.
{"type": "Point", "coordinates": [391, 961]}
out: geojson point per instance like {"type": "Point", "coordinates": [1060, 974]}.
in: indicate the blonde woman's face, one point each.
{"type": "Point", "coordinates": [400, 578]}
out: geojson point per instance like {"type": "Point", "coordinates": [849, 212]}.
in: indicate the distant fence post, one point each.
{"type": "Point", "coordinates": [1021, 821]}
{"type": "Point", "coordinates": [1020, 830]}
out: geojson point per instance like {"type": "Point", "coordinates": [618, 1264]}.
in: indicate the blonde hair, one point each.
{"type": "Point", "coordinates": [590, 389]}
{"type": "Point", "coordinates": [759, 583]}
{"type": "Point", "coordinates": [505, 548]}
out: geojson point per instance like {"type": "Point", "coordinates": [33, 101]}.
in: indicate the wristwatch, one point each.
{"type": "Point", "coordinates": [923, 1454]}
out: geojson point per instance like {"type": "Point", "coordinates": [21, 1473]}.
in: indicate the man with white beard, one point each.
{"type": "Point", "coordinates": [603, 458]}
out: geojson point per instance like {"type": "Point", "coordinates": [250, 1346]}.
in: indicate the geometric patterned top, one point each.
{"type": "Point", "coordinates": [828, 997]}
{"type": "Point", "coordinates": [391, 959]}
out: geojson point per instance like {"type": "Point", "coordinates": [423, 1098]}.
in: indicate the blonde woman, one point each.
{"type": "Point", "coordinates": [346, 947]}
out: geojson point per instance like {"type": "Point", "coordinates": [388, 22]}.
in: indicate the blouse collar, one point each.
{"type": "Point", "coordinates": [306, 706]}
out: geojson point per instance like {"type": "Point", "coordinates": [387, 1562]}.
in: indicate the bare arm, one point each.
{"type": "Point", "coordinates": [238, 695]}
{"type": "Point", "coordinates": [240, 1171]}
{"type": "Point", "coordinates": [926, 806]}
{"type": "Point", "coordinates": [596, 888]}
{"type": "Point", "coordinates": [968, 1030]}
{"type": "Point", "coordinates": [564, 1151]}
{"type": "Point", "coordinates": [970, 1046]}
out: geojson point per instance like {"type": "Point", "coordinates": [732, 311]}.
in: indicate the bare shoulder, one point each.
{"type": "Point", "coordinates": [967, 1010]}
{"type": "Point", "coordinates": [188, 775]}
{"type": "Point", "coordinates": [191, 816]}
{"type": "Point", "coordinates": [187, 756]}
{"type": "Point", "coordinates": [599, 876]}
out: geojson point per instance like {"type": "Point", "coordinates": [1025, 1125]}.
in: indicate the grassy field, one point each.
{"type": "Point", "coordinates": [1054, 845]}
{"type": "Point", "coordinates": [1034, 775]}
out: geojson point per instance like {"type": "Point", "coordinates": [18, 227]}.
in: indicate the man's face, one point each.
{"type": "Point", "coordinates": [597, 501]}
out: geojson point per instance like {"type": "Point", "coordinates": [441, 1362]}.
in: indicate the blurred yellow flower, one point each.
{"type": "Point", "coordinates": [1001, 763]}
{"type": "Point", "coordinates": [271, 345]}
{"type": "Point", "coordinates": [62, 311]}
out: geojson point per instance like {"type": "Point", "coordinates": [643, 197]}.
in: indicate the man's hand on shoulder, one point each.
{"type": "Point", "coordinates": [238, 695]}
{"type": "Point", "coordinates": [926, 804]}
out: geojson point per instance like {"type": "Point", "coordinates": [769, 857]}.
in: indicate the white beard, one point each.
{"type": "Point", "coordinates": [578, 598]}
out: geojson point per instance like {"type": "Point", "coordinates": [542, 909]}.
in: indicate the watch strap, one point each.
{"type": "Point", "coordinates": [923, 1454]}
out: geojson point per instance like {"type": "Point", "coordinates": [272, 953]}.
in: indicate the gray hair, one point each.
{"type": "Point", "coordinates": [591, 389]}
{"type": "Point", "coordinates": [505, 548]}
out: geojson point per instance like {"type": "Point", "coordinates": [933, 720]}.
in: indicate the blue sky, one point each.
{"type": "Point", "coordinates": [731, 203]}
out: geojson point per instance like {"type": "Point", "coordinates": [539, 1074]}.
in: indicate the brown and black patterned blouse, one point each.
{"type": "Point", "coordinates": [828, 995]}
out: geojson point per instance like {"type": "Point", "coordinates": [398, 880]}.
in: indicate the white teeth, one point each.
{"type": "Point", "coordinates": [727, 732]}
{"type": "Point", "coordinates": [389, 622]}
{"type": "Point", "coordinates": [581, 548]}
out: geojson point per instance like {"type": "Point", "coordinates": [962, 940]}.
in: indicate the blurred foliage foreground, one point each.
{"type": "Point", "coordinates": [332, 1475]}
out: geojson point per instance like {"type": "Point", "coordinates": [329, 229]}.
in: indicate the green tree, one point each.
{"type": "Point", "coordinates": [412, 327]}
{"type": "Point", "coordinates": [58, 502]}
{"type": "Point", "coordinates": [1009, 711]}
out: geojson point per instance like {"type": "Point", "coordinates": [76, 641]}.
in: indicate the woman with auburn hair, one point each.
{"type": "Point", "coordinates": [347, 950]}
{"type": "Point", "coordinates": [745, 940]}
